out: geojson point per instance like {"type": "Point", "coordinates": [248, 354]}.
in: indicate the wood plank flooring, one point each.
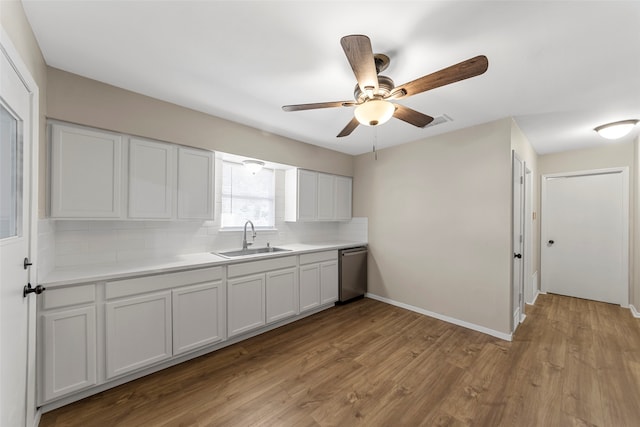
{"type": "Point", "coordinates": [572, 363]}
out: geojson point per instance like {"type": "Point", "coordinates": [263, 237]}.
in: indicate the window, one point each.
{"type": "Point", "coordinates": [247, 197]}
{"type": "Point", "coordinates": [10, 175]}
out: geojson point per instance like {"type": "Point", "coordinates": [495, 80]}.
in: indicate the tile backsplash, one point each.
{"type": "Point", "coordinates": [72, 243]}
{"type": "Point", "coordinates": [67, 243]}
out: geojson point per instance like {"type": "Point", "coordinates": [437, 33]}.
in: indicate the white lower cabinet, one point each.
{"type": "Point", "coordinates": [309, 286]}
{"type": "Point", "coordinates": [199, 316]}
{"type": "Point", "coordinates": [138, 332]}
{"type": "Point", "coordinates": [328, 282]}
{"type": "Point", "coordinates": [69, 353]}
{"type": "Point", "coordinates": [246, 304]}
{"type": "Point", "coordinates": [90, 334]}
{"type": "Point", "coordinates": [282, 293]}
{"type": "Point", "coordinates": [318, 279]}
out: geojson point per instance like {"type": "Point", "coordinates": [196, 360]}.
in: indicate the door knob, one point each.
{"type": "Point", "coordinates": [551, 242]}
{"type": "Point", "coordinates": [517, 256]}
{"type": "Point", "coordinates": [37, 290]}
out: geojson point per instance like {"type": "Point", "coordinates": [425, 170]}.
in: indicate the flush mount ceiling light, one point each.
{"type": "Point", "coordinates": [374, 112]}
{"type": "Point", "coordinates": [616, 130]}
{"type": "Point", "coordinates": [253, 166]}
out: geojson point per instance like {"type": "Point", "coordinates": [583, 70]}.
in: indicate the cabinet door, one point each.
{"type": "Point", "coordinates": [85, 173]}
{"type": "Point", "coordinates": [326, 197]}
{"type": "Point", "coordinates": [343, 187]}
{"type": "Point", "coordinates": [151, 179]}
{"type": "Point", "coordinates": [282, 301]}
{"type": "Point", "coordinates": [69, 351]}
{"type": "Point", "coordinates": [309, 286]}
{"type": "Point", "coordinates": [138, 332]}
{"type": "Point", "coordinates": [328, 282]}
{"type": "Point", "coordinates": [199, 316]}
{"type": "Point", "coordinates": [307, 195]}
{"type": "Point", "coordinates": [246, 304]}
{"type": "Point", "coordinates": [195, 184]}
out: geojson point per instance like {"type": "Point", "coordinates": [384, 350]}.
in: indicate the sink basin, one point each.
{"type": "Point", "coordinates": [245, 252]}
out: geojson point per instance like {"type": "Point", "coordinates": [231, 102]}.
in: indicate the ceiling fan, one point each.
{"type": "Point", "coordinates": [374, 92]}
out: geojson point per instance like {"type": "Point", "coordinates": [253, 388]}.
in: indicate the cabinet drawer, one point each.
{"type": "Point", "coordinates": [157, 282]}
{"type": "Point", "coordinates": [318, 257]}
{"type": "Point", "coordinates": [253, 267]}
{"type": "Point", "coordinates": [74, 295]}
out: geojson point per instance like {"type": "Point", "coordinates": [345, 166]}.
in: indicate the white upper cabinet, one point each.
{"type": "Point", "coordinates": [90, 167]}
{"type": "Point", "coordinates": [326, 197]}
{"type": "Point", "coordinates": [86, 174]}
{"type": "Point", "coordinates": [195, 184]}
{"type": "Point", "coordinates": [315, 196]}
{"type": "Point", "coordinates": [152, 179]}
{"type": "Point", "coordinates": [301, 195]}
{"type": "Point", "coordinates": [343, 200]}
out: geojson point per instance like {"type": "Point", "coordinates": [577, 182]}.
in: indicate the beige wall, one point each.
{"type": "Point", "coordinates": [606, 156]}
{"type": "Point", "coordinates": [80, 100]}
{"type": "Point", "coordinates": [440, 223]}
{"type": "Point", "coordinates": [15, 23]}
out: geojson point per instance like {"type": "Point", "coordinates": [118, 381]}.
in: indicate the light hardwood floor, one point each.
{"type": "Point", "coordinates": [572, 363]}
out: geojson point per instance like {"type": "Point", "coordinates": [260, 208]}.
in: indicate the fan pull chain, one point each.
{"type": "Point", "coordinates": [375, 141]}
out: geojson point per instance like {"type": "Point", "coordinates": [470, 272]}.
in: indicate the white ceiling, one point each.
{"type": "Point", "coordinates": [559, 68]}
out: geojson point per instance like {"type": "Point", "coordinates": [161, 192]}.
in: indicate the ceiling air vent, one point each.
{"type": "Point", "coordinates": [439, 120]}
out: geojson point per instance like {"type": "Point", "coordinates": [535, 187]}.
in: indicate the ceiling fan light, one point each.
{"type": "Point", "coordinates": [253, 166]}
{"type": "Point", "coordinates": [616, 130]}
{"type": "Point", "coordinates": [374, 112]}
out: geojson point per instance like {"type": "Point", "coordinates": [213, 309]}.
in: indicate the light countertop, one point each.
{"type": "Point", "coordinates": [101, 272]}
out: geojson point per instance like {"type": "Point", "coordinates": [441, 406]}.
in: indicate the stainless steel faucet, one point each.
{"type": "Point", "coordinates": [246, 245]}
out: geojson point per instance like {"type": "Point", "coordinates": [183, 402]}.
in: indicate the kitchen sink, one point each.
{"type": "Point", "coordinates": [245, 252]}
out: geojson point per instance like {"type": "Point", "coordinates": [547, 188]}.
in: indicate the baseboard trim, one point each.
{"type": "Point", "coordinates": [36, 420]}
{"type": "Point", "coordinates": [634, 311]}
{"type": "Point", "coordinates": [458, 322]}
{"type": "Point", "coordinates": [535, 297]}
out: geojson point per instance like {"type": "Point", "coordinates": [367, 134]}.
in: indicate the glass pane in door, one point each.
{"type": "Point", "coordinates": [10, 175]}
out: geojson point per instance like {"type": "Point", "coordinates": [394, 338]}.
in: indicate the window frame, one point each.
{"type": "Point", "coordinates": [223, 194]}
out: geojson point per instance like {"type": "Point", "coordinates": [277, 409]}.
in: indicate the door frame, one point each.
{"type": "Point", "coordinates": [14, 58]}
{"type": "Point", "coordinates": [624, 170]}
{"type": "Point", "coordinates": [529, 291]}
{"type": "Point", "coordinates": [519, 310]}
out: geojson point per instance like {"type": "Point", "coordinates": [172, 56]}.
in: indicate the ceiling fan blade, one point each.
{"type": "Point", "coordinates": [317, 105]}
{"type": "Point", "coordinates": [358, 50]}
{"type": "Point", "coordinates": [455, 73]}
{"type": "Point", "coordinates": [350, 127]}
{"type": "Point", "coordinates": [411, 116]}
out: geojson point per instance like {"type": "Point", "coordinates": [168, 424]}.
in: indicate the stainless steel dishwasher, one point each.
{"type": "Point", "coordinates": [353, 273]}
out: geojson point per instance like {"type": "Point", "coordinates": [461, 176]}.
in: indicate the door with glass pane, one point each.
{"type": "Point", "coordinates": [17, 313]}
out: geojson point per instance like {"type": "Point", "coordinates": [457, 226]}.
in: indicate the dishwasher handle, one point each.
{"type": "Point", "coordinates": [354, 252]}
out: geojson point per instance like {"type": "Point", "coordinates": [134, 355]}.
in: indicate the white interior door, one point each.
{"type": "Point", "coordinates": [518, 240]}
{"type": "Point", "coordinates": [17, 314]}
{"type": "Point", "coordinates": [585, 235]}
